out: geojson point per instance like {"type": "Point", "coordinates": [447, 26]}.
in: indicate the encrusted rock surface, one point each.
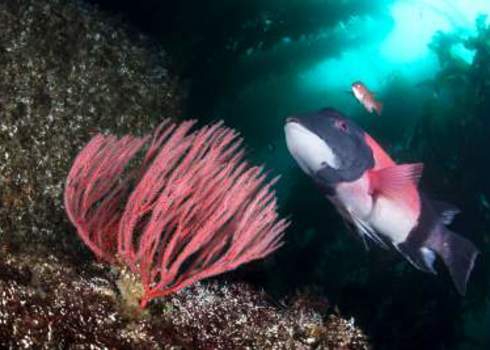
{"type": "Point", "coordinates": [67, 70]}
{"type": "Point", "coordinates": [49, 301]}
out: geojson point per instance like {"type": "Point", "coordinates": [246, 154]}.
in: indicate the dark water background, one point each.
{"type": "Point", "coordinates": [252, 63]}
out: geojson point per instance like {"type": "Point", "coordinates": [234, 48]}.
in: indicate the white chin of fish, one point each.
{"type": "Point", "coordinates": [309, 150]}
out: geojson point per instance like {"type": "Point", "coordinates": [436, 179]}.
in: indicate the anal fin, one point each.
{"type": "Point", "coordinates": [378, 107]}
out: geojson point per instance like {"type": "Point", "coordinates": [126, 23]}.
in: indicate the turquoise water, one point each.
{"type": "Point", "coordinates": [254, 63]}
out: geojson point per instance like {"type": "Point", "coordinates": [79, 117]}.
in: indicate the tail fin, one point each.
{"type": "Point", "coordinates": [457, 252]}
{"type": "Point", "coordinates": [378, 107]}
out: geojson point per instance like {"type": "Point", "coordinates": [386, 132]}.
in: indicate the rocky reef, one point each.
{"type": "Point", "coordinates": [50, 301]}
{"type": "Point", "coordinates": [67, 71]}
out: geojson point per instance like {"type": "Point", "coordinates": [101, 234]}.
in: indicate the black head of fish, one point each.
{"type": "Point", "coordinates": [328, 146]}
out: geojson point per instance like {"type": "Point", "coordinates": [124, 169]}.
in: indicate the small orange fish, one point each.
{"type": "Point", "coordinates": [366, 98]}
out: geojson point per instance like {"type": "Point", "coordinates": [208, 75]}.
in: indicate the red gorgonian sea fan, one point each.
{"type": "Point", "coordinates": [192, 209]}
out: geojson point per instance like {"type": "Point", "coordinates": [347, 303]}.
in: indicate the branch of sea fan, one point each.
{"type": "Point", "coordinates": [94, 191]}
{"type": "Point", "coordinates": [198, 211]}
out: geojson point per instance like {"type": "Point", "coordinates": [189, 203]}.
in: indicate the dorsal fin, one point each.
{"type": "Point", "coordinates": [381, 158]}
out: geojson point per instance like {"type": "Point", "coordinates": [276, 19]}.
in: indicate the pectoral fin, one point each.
{"type": "Point", "coordinates": [393, 180]}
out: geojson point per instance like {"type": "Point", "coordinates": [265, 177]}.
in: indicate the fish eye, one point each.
{"type": "Point", "coordinates": [341, 125]}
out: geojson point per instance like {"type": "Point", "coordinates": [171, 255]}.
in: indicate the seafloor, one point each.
{"type": "Point", "coordinates": [47, 301]}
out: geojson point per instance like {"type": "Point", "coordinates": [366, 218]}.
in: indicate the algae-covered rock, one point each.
{"type": "Point", "coordinates": [49, 301]}
{"type": "Point", "coordinates": [67, 70]}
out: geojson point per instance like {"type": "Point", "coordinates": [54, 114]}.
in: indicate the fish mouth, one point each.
{"type": "Point", "coordinates": [294, 126]}
{"type": "Point", "coordinates": [292, 120]}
